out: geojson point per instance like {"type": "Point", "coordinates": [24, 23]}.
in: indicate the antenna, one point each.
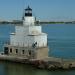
{"type": "Point", "coordinates": [23, 3]}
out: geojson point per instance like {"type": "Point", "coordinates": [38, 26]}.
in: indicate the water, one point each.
{"type": "Point", "coordinates": [61, 41]}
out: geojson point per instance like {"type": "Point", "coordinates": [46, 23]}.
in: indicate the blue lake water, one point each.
{"type": "Point", "coordinates": [61, 42]}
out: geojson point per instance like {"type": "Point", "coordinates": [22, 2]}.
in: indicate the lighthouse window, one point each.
{"type": "Point", "coordinates": [22, 51]}
{"type": "Point", "coordinates": [29, 52]}
{"type": "Point", "coordinates": [10, 50]}
{"type": "Point", "coordinates": [6, 50]}
{"type": "Point", "coordinates": [16, 50]}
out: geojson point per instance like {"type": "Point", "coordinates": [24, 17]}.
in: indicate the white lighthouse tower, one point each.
{"type": "Point", "coordinates": [28, 40]}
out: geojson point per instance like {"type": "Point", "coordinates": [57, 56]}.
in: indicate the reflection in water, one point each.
{"type": "Point", "coordinates": [8, 68]}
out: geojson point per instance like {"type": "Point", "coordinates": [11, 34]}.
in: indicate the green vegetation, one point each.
{"type": "Point", "coordinates": [51, 22]}
{"type": "Point", "coordinates": [56, 22]}
{"type": "Point", "coordinates": [37, 22]}
{"type": "Point", "coordinates": [13, 22]}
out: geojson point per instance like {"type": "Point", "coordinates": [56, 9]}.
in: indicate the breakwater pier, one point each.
{"type": "Point", "coordinates": [50, 63]}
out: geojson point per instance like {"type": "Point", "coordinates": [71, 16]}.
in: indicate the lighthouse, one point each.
{"type": "Point", "coordinates": [28, 41]}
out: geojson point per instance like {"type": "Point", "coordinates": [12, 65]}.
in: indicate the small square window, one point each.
{"type": "Point", "coordinates": [10, 50]}
{"type": "Point", "coordinates": [29, 52]}
{"type": "Point", "coordinates": [16, 50]}
{"type": "Point", "coordinates": [22, 51]}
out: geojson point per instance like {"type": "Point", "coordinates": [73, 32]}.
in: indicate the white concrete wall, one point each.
{"type": "Point", "coordinates": [16, 40]}
{"type": "Point", "coordinates": [41, 40]}
{"type": "Point", "coordinates": [13, 40]}
{"type": "Point", "coordinates": [29, 40]}
{"type": "Point", "coordinates": [21, 31]}
{"type": "Point", "coordinates": [22, 38]}
{"type": "Point", "coordinates": [29, 21]}
{"type": "Point", "coordinates": [35, 29]}
{"type": "Point", "coordinates": [26, 30]}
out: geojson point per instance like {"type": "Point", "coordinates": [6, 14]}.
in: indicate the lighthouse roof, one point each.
{"type": "Point", "coordinates": [28, 8]}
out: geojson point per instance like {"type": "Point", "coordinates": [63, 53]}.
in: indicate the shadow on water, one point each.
{"type": "Point", "coordinates": [8, 68]}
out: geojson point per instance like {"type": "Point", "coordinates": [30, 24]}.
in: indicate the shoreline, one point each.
{"type": "Point", "coordinates": [37, 22]}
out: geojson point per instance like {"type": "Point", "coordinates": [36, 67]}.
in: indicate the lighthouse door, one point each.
{"type": "Point", "coordinates": [6, 50]}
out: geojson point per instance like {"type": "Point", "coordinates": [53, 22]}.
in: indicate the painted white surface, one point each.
{"type": "Point", "coordinates": [41, 40]}
{"type": "Point", "coordinates": [27, 34]}
{"type": "Point", "coordinates": [34, 29]}
{"type": "Point", "coordinates": [29, 40]}
{"type": "Point", "coordinates": [28, 21]}
{"type": "Point", "coordinates": [26, 30]}
{"type": "Point", "coordinates": [21, 30]}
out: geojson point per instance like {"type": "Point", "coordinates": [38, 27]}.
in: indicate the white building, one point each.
{"type": "Point", "coordinates": [28, 40]}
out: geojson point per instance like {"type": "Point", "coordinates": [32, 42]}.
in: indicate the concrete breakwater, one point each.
{"type": "Point", "coordinates": [50, 63]}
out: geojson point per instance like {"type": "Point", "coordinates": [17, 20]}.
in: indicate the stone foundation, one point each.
{"type": "Point", "coordinates": [28, 52]}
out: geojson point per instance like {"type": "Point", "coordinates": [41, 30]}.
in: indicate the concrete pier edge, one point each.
{"type": "Point", "coordinates": [50, 63]}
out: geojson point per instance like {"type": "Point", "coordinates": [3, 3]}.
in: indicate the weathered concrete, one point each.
{"type": "Point", "coordinates": [50, 63]}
